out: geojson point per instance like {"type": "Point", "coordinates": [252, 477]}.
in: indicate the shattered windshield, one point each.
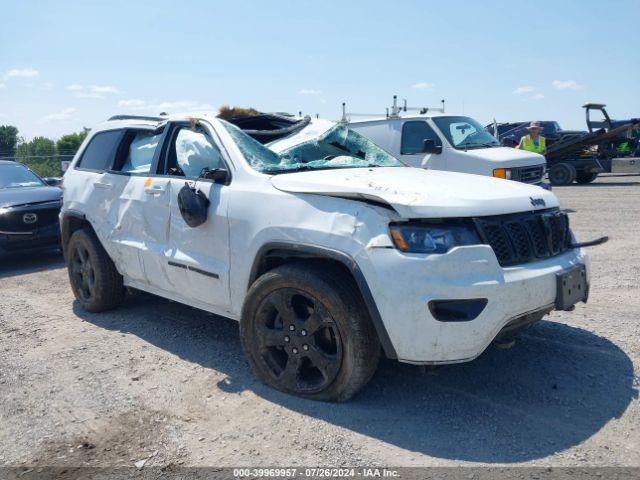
{"type": "Point", "coordinates": [339, 147]}
{"type": "Point", "coordinates": [465, 133]}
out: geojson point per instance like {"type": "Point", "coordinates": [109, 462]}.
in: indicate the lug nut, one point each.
{"type": "Point", "coordinates": [295, 350]}
{"type": "Point", "coordinates": [303, 333]}
{"type": "Point", "coordinates": [305, 347]}
{"type": "Point", "coordinates": [286, 338]}
{"type": "Point", "coordinates": [292, 328]}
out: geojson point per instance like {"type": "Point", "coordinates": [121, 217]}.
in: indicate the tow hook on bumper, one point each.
{"type": "Point", "coordinates": [590, 243]}
{"type": "Point", "coordinates": [505, 337]}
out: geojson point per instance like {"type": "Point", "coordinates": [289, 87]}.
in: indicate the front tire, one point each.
{"type": "Point", "coordinates": [562, 174]}
{"type": "Point", "coordinates": [305, 331]}
{"type": "Point", "coordinates": [95, 282]}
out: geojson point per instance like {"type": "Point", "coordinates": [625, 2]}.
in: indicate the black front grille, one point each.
{"type": "Point", "coordinates": [529, 174]}
{"type": "Point", "coordinates": [526, 237]}
{"type": "Point", "coordinates": [26, 219]}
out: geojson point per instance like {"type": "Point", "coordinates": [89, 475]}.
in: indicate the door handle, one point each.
{"type": "Point", "coordinates": [154, 190]}
{"type": "Point", "coordinates": [103, 185]}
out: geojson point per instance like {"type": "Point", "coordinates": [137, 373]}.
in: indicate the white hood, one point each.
{"type": "Point", "coordinates": [505, 157]}
{"type": "Point", "coordinates": [417, 193]}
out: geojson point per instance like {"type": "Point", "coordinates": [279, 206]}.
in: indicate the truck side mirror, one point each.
{"type": "Point", "coordinates": [429, 146]}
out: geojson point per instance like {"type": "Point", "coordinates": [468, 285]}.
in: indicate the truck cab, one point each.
{"type": "Point", "coordinates": [437, 141]}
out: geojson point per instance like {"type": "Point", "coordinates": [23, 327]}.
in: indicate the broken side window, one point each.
{"type": "Point", "coordinates": [195, 152]}
{"type": "Point", "coordinates": [141, 150]}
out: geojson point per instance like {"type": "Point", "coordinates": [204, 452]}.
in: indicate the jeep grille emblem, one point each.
{"type": "Point", "coordinates": [30, 218]}
{"type": "Point", "coordinates": [537, 202]}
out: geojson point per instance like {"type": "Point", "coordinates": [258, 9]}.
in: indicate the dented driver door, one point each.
{"type": "Point", "coordinates": [197, 258]}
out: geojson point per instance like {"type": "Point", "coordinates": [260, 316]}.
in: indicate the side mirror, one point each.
{"type": "Point", "coordinates": [53, 181]}
{"type": "Point", "coordinates": [218, 175]}
{"type": "Point", "coordinates": [429, 146]}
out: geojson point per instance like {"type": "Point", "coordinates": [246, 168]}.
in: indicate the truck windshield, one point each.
{"type": "Point", "coordinates": [338, 147]}
{"type": "Point", "coordinates": [465, 133]}
{"type": "Point", "coordinates": [550, 127]}
{"type": "Point", "coordinates": [18, 176]}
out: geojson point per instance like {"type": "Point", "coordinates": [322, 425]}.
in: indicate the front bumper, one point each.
{"type": "Point", "coordinates": [404, 284]}
{"type": "Point", "coordinates": [41, 238]}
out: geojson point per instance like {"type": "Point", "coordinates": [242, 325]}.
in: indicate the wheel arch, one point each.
{"type": "Point", "coordinates": [71, 221]}
{"type": "Point", "coordinates": [275, 254]}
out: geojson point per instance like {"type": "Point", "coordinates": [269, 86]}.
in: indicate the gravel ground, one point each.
{"type": "Point", "coordinates": [159, 381]}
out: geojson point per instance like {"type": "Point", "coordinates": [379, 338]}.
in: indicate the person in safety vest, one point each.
{"type": "Point", "coordinates": [624, 147]}
{"type": "Point", "coordinates": [533, 142]}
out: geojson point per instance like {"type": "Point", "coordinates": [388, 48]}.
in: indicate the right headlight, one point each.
{"type": "Point", "coordinates": [439, 238]}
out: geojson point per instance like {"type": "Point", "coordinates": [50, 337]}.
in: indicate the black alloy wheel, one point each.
{"type": "Point", "coordinates": [299, 341]}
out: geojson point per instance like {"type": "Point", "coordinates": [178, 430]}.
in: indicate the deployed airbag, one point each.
{"type": "Point", "coordinates": [194, 152]}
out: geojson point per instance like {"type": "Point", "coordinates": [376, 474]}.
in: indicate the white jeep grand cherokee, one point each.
{"type": "Point", "coordinates": [327, 252]}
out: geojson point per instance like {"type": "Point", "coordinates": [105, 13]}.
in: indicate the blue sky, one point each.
{"type": "Point", "coordinates": [65, 64]}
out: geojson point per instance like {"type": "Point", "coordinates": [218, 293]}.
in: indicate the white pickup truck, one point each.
{"type": "Point", "coordinates": [434, 140]}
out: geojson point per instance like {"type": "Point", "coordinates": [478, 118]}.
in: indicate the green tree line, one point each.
{"type": "Point", "coordinates": [41, 154]}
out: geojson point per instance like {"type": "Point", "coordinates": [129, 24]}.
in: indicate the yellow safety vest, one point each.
{"type": "Point", "coordinates": [526, 143]}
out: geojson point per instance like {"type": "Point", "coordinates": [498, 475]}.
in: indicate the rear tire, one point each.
{"type": "Point", "coordinates": [306, 331]}
{"type": "Point", "coordinates": [562, 174]}
{"type": "Point", "coordinates": [95, 282]}
{"type": "Point", "coordinates": [586, 177]}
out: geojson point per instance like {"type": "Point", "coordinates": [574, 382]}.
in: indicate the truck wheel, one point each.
{"type": "Point", "coordinates": [306, 331]}
{"type": "Point", "coordinates": [95, 282]}
{"type": "Point", "coordinates": [586, 177]}
{"type": "Point", "coordinates": [562, 174]}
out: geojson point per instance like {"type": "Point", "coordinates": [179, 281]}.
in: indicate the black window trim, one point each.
{"type": "Point", "coordinates": [154, 161]}
{"type": "Point", "coordinates": [78, 164]}
{"type": "Point", "coordinates": [437, 137]}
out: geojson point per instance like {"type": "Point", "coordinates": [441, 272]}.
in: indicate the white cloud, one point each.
{"type": "Point", "coordinates": [132, 103]}
{"type": "Point", "coordinates": [523, 89]}
{"type": "Point", "coordinates": [103, 89]}
{"type": "Point", "coordinates": [47, 86]}
{"type": "Point", "coordinates": [566, 85]}
{"type": "Point", "coordinates": [62, 116]}
{"type": "Point", "coordinates": [21, 73]}
{"type": "Point", "coordinates": [2, 85]}
{"type": "Point", "coordinates": [94, 91]}
{"type": "Point", "coordinates": [537, 96]}
{"type": "Point", "coordinates": [89, 95]}
{"type": "Point", "coordinates": [309, 91]}
{"type": "Point", "coordinates": [423, 85]}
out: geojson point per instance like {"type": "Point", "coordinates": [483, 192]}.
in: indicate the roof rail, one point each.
{"type": "Point", "coordinates": [395, 110]}
{"type": "Point", "coordinates": [136, 117]}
